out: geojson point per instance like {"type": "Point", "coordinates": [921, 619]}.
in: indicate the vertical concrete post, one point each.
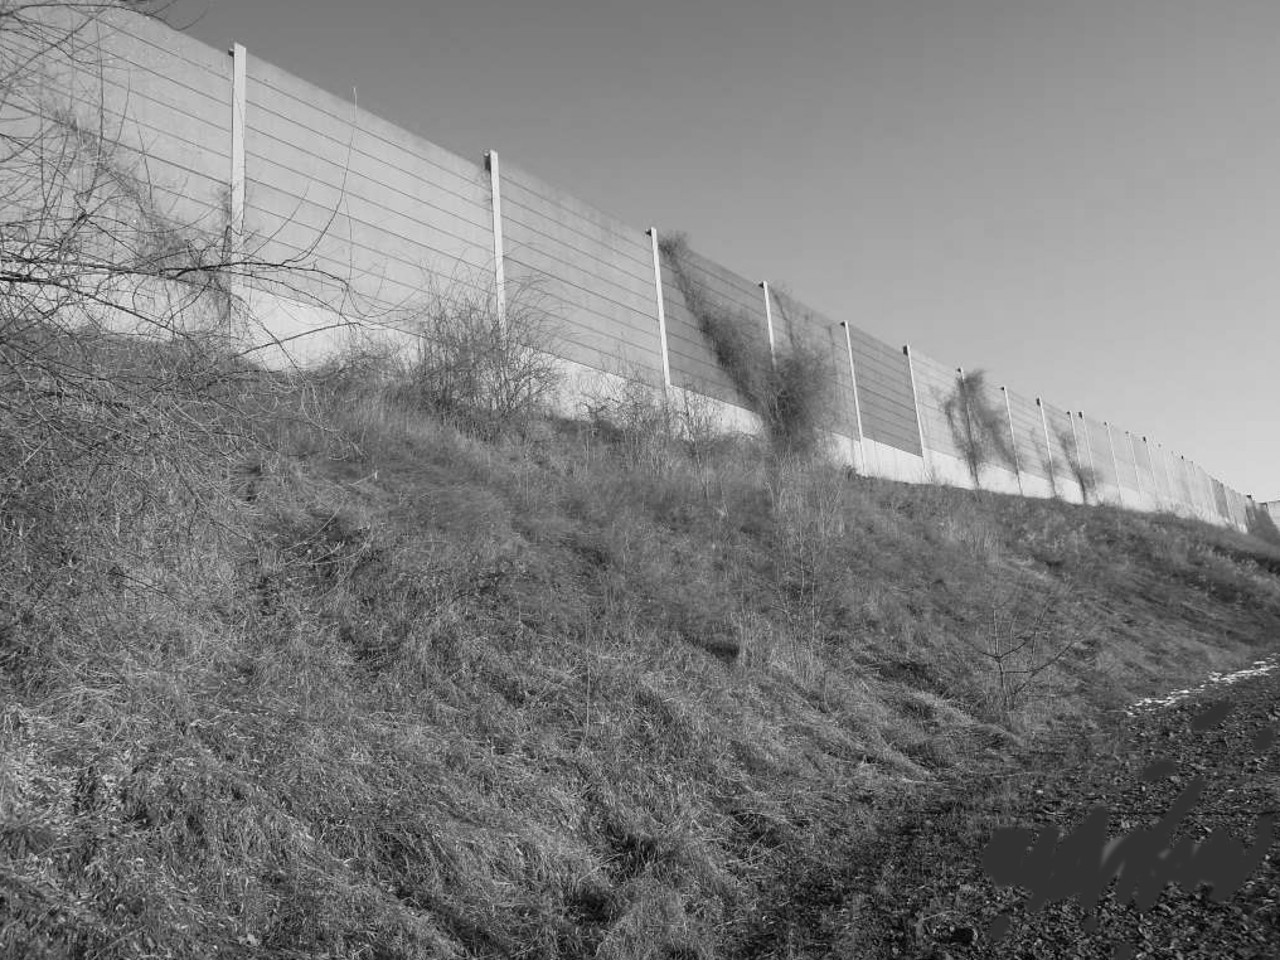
{"type": "Point", "coordinates": [1193, 487]}
{"type": "Point", "coordinates": [1188, 481]}
{"type": "Point", "coordinates": [238, 96]}
{"type": "Point", "coordinates": [499, 267]}
{"type": "Point", "coordinates": [857, 404]}
{"type": "Point", "coordinates": [1013, 441]}
{"type": "Point", "coordinates": [1075, 448]}
{"type": "Point", "coordinates": [662, 311]}
{"type": "Point", "coordinates": [768, 320]}
{"type": "Point", "coordinates": [1206, 491]}
{"type": "Point", "coordinates": [1115, 464]}
{"type": "Point", "coordinates": [1169, 478]}
{"type": "Point", "coordinates": [1152, 454]}
{"type": "Point", "coordinates": [1170, 491]}
{"type": "Point", "coordinates": [968, 426]}
{"type": "Point", "coordinates": [1224, 509]}
{"type": "Point", "coordinates": [915, 402]}
{"type": "Point", "coordinates": [1197, 487]}
{"type": "Point", "coordinates": [853, 379]}
{"type": "Point", "coordinates": [1088, 446]}
{"type": "Point", "coordinates": [1189, 484]}
{"type": "Point", "coordinates": [1155, 478]}
{"type": "Point", "coordinates": [235, 224]}
{"type": "Point", "coordinates": [1075, 440]}
{"type": "Point", "coordinates": [1137, 469]}
{"type": "Point", "coordinates": [1048, 449]}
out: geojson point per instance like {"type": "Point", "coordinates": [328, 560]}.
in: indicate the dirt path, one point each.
{"type": "Point", "coordinates": [922, 888]}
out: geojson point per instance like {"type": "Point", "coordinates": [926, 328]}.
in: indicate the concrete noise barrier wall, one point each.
{"type": "Point", "coordinates": [373, 227]}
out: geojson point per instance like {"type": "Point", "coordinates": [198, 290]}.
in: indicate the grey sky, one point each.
{"type": "Point", "coordinates": [1080, 197]}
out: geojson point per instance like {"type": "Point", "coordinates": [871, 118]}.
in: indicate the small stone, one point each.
{"type": "Point", "coordinates": [964, 935]}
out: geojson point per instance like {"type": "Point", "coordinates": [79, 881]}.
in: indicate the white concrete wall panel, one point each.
{"type": "Point", "coordinates": [1237, 507]}
{"type": "Point", "coordinates": [795, 323]}
{"type": "Point", "coordinates": [599, 270]}
{"type": "Point", "coordinates": [161, 101]}
{"type": "Point", "coordinates": [1146, 472]}
{"type": "Point", "coordinates": [1028, 433]}
{"type": "Point", "coordinates": [1188, 482]}
{"type": "Point", "coordinates": [1203, 489]}
{"type": "Point", "coordinates": [379, 213]}
{"type": "Point", "coordinates": [1097, 445]}
{"type": "Point", "coordinates": [1125, 463]}
{"type": "Point", "coordinates": [375, 221]}
{"type": "Point", "coordinates": [1152, 456]}
{"type": "Point", "coordinates": [1062, 448]}
{"type": "Point", "coordinates": [1220, 498]}
{"type": "Point", "coordinates": [1272, 508]}
{"type": "Point", "coordinates": [936, 384]}
{"type": "Point", "coordinates": [893, 463]}
{"type": "Point", "coordinates": [884, 393]}
{"type": "Point", "coordinates": [998, 474]}
{"type": "Point", "coordinates": [693, 362]}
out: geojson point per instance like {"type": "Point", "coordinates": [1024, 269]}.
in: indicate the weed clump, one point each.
{"type": "Point", "coordinates": [484, 365]}
{"type": "Point", "coordinates": [788, 392]}
{"type": "Point", "coordinates": [1085, 476]}
{"type": "Point", "coordinates": [403, 692]}
{"type": "Point", "coordinates": [978, 427]}
{"type": "Point", "coordinates": [636, 421]}
{"type": "Point", "coordinates": [291, 665]}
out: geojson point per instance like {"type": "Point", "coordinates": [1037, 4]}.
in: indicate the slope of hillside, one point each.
{"type": "Point", "coordinates": [1200, 771]}
{"type": "Point", "coordinates": [314, 675]}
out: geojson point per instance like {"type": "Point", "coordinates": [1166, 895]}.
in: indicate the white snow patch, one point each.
{"type": "Point", "coordinates": [1258, 668]}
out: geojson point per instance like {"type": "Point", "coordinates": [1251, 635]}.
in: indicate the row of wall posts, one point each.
{"type": "Point", "coordinates": [494, 170]}
{"type": "Point", "coordinates": [1184, 481]}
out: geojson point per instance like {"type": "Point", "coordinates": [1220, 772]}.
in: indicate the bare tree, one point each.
{"type": "Point", "coordinates": [119, 345]}
{"type": "Point", "coordinates": [978, 427]}
{"type": "Point", "coordinates": [483, 369]}
{"type": "Point", "coordinates": [791, 392]}
{"type": "Point", "coordinates": [1083, 474]}
{"type": "Point", "coordinates": [1024, 640]}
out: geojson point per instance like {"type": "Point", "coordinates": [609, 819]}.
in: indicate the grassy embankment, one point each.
{"type": "Point", "coordinates": [314, 674]}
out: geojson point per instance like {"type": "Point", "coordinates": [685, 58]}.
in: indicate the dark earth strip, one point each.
{"type": "Point", "coordinates": [920, 890]}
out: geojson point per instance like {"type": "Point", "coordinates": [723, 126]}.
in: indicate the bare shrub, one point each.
{"type": "Point", "coordinates": [1051, 472]}
{"type": "Point", "coordinates": [978, 426]}
{"type": "Point", "coordinates": [707, 446]}
{"type": "Point", "coordinates": [789, 393]}
{"type": "Point", "coordinates": [1085, 476]}
{"type": "Point", "coordinates": [1023, 641]}
{"type": "Point", "coordinates": [482, 369]}
{"type": "Point", "coordinates": [124, 383]}
{"type": "Point", "coordinates": [637, 420]}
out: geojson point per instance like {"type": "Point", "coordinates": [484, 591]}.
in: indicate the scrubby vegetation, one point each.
{"type": "Point", "coordinates": [323, 675]}
{"type": "Point", "coordinates": [1085, 476]}
{"type": "Point", "coordinates": [978, 427]}
{"type": "Point", "coordinates": [324, 664]}
{"type": "Point", "coordinates": [480, 366]}
{"type": "Point", "coordinates": [788, 391]}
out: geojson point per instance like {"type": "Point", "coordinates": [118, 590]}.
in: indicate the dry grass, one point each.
{"type": "Point", "coordinates": [387, 690]}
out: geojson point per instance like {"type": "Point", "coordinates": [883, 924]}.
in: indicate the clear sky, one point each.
{"type": "Point", "coordinates": [1081, 197]}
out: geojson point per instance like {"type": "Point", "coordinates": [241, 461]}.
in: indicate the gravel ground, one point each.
{"type": "Point", "coordinates": [923, 888]}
